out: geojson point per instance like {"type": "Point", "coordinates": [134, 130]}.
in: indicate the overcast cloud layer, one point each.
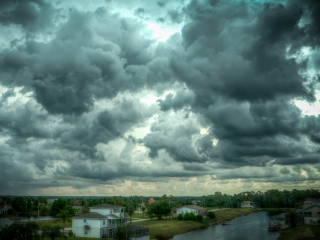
{"type": "Point", "coordinates": [152, 97]}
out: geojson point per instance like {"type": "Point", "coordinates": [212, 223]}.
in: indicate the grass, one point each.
{"type": "Point", "coordinates": [276, 209]}
{"type": "Point", "coordinates": [306, 232]}
{"type": "Point", "coordinates": [228, 214]}
{"type": "Point", "coordinates": [52, 222]}
{"type": "Point", "coordinates": [137, 215]}
{"type": "Point", "coordinates": [170, 226]}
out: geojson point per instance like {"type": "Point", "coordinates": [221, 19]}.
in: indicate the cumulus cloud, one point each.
{"type": "Point", "coordinates": [90, 96]}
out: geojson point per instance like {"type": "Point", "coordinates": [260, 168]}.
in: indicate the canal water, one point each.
{"type": "Point", "coordinates": [8, 221]}
{"type": "Point", "coordinates": [251, 227]}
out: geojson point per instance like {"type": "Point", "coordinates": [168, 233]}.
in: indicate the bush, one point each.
{"type": "Point", "coordinates": [161, 236]}
{"type": "Point", "coordinates": [70, 233]}
{"type": "Point", "coordinates": [180, 217]}
{"type": "Point", "coordinates": [186, 216]}
{"type": "Point", "coordinates": [192, 216]}
{"type": "Point", "coordinates": [211, 215]}
{"type": "Point", "coordinates": [199, 218]}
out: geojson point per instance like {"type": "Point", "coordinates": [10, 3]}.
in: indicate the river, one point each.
{"type": "Point", "coordinates": [251, 227]}
{"type": "Point", "coordinates": [8, 221]}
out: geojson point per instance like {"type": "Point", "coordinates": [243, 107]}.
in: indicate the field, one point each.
{"type": "Point", "coordinates": [170, 226]}
{"type": "Point", "coordinates": [52, 222]}
{"type": "Point", "coordinates": [306, 232]}
{"type": "Point", "coordinates": [228, 214]}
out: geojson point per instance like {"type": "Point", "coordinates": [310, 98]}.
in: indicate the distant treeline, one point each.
{"type": "Point", "coordinates": [269, 199]}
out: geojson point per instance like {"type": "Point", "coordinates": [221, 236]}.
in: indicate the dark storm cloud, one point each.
{"type": "Point", "coordinates": [228, 80]}
{"type": "Point", "coordinates": [31, 15]}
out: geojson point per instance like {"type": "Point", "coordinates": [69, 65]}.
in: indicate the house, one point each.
{"type": "Point", "coordinates": [4, 209]}
{"type": "Point", "coordinates": [150, 201]}
{"type": "Point", "coordinates": [218, 193]}
{"type": "Point", "coordinates": [194, 202]}
{"type": "Point", "coordinates": [248, 204]}
{"type": "Point", "coordinates": [102, 222]}
{"type": "Point", "coordinates": [311, 214]}
{"type": "Point", "coordinates": [192, 208]}
{"type": "Point", "coordinates": [310, 201]}
{"type": "Point", "coordinates": [51, 200]}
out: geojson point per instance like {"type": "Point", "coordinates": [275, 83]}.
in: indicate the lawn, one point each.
{"type": "Point", "coordinates": [228, 214]}
{"type": "Point", "coordinates": [137, 215]}
{"type": "Point", "coordinates": [306, 232]}
{"type": "Point", "coordinates": [52, 222]}
{"type": "Point", "coordinates": [276, 209]}
{"type": "Point", "coordinates": [169, 226]}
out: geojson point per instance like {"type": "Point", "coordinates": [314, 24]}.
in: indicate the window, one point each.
{"type": "Point", "coordinates": [103, 231]}
{"type": "Point", "coordinates": [85, 232]}
{"type": "Point", "coordinates": [307, 214]}
{"type": "Point", "coordinates": [318, 213]}
{"type": "Point", "coordinates": [84, 220]}
{"type": "Point", "coordinates": [104, 222]}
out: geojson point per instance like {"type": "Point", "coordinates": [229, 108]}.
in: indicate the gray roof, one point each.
{"type": "Point", "coordinates": [90, 215]}
{"type": "Point", "coordinates": [112, 215]}
{"type": "Point", "coordinates": [193, 207]}
{"type": "Point", "coordinates": [106, 206]}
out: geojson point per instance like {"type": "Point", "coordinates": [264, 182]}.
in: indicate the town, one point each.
{"type": "Point", "coordinates": [145, 218]}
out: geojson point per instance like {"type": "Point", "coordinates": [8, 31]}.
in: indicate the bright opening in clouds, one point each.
{"type": "Point", "coordinates": [153, 97]}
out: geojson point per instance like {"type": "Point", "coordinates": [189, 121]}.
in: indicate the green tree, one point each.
{"type": "Point", "coordinates": [64, 215]}
{"type": "Point", "coordinates": [211, 215]}
{"type": "Point", "coordinates": [292, 217]}
{"type": "Point", "coordinates": [19, 230]}
{"type": "Point", "coordinates": [57, 206]}
{"type": "Point", "coordinates": [123, 232]}
{"type": "Point", "coordinates": [180, 217]}
{"type": "Point", "coordinates": [143, 208]}
{"type": "Point", "coordinates": [130, 212]}
{"type": "Point", "coordinates": [19, 204]}
{"type": "Point", "coordinates": [52, 232]}
{"type": "Point", "coordinates": [186, 216]}
{"type": "Point", "coordinates": [199, 218]}
{"type": "Point", "coordinates": [192, 216]}
{"type": "Point", "coordinates": [159, 209]}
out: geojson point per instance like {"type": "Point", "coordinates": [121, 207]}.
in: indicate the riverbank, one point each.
{"type": "Point", "coordinates": [231, 213]}
{"type": "Point", "coordinates": [170, 227]}
{"type": "Point", "coordinates": [310, 232]}
{"type": "Point", "coordinates": [276, 209]}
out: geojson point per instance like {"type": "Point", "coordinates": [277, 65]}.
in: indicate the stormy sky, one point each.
{"type": "Point", "coordinates": [152, 97]}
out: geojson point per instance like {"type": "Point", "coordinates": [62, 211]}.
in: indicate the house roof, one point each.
{"type": "Point", "coordinates": [247, 202]}
{"type": "Point", "coordinates": [113, 216]}
{"type": "Point", "coordinates": [310, 207]}
{"type": "Point", "coordinates": [106, 206]}
{"type": "Point", "coordinates": [193, 207]}
{"type": "Point", "coordinates": [90, 215]}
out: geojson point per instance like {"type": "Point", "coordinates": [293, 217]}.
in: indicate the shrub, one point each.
{"type": "Point", "coordinates": [211, 215]}
{"type": "Point", "coordinates": [186, 216]}
{"type": "Point", "coordinates": [199, 218]}
{"type": "Point", "coordinates": [192, 216]}
{"type": "Point", "coordinates": [70, 233]}
{"type": "Point", "coordinates": [161, 236]}
{"type": "Point", "coordinates": [180, 217]}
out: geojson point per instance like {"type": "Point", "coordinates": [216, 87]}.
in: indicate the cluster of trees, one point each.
{"type": "Point", "coordinates": [190, 216]}
{"type": "Point", "coordinates": [270, 199]}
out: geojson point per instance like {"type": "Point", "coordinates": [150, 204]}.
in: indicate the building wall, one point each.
{"type": "Point", "coordinates": [81, 232]}
{"type": "Point", "coordinates": [315, 211]}
{"type": "Point", "coordinates": [184, 210]}
{"type": "Point", "coordinates": [247, 205]}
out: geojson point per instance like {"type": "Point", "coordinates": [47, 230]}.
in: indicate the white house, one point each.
{"type": "Point", "coordinates": [102, 221]}
{"type": "Point", "coordinates": [247, 204]}
{"type": "Point", "coordinates": [192, 208]}
{"type": "Point", "coordinates": [311, 214]}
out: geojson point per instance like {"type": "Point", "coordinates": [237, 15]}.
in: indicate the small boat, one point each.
{"type": "Point", "coordinates": [274, 226]}
{"type": "Point", "coordinates": [224, 223]}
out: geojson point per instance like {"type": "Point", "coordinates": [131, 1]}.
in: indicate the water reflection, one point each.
{"type": "Point", "coordinates": [251, 227]}
{"type": "Point", "coordinates": [8, 221]}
